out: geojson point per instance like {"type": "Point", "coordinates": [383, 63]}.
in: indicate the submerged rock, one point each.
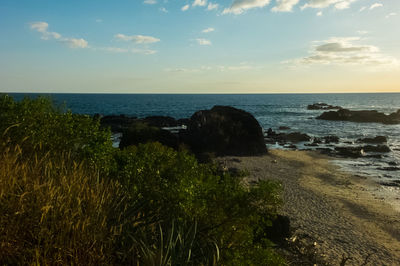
{"type": "Point", "coordinates": [284, 128]}
{"type": "Point", "coordinates": [366, 116]}
{"type": "Point", "coordinates": [322, 106]}
{"type": "Point", "coordinates": [225, 130]}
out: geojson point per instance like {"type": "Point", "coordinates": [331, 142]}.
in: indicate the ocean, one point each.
{"type": "Point", "coordinates": [271, 110]}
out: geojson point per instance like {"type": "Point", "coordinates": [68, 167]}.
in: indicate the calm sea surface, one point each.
{"type": "Point", "coordinates": [271, 110]}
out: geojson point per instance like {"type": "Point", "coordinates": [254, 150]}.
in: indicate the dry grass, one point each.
{"type": "Point", "coordinates": [54, 211]}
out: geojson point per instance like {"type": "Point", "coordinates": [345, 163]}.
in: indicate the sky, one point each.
{"type": "Point", "coordinates": [200, 46]}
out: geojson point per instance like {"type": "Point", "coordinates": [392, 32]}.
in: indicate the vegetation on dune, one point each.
{"type": "Point", "coordinates": [68, 197]}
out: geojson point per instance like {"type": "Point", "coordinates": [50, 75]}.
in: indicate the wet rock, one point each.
{"type": "Point", "coordinates": [331, 139]}
{"type": "Point", "coordinates": [311, 144]}
{"type": "Point", "coordinates": [390, 184]}
{"type": "Point", "coordinates": [377, 139]}
{"type": "Point", "coordinates": [284, 128]}
{"type": "Point", "coordinates": [317, 140]}
{"type": "Point", "coordinates": [392, 163]}
{"type": "Point", "coordinates": [224, 130]}
{"type": "Point", "coordinates": [322, 106]}
{"type": "Point", "coordinates": [392, 168]}
{"type": "Point", "coordinates": [353, 152]}
{"type": "Point", "coordinates": [378, 148]}
{"type": "Point", "coordinates": [296, 137]}
{"type": "Point", "coordinates": [365, 116]}
{"type": "Point", "coordinates": [291, 146]}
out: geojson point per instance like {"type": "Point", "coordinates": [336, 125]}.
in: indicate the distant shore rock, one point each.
{"type": "Point", "coordinates": [225, 130]}
{"type": "Point", "coordinates": [117, 123]}
{"type": "Point", "coordinates": [366, 116]}
{"type": "Point", "coordinates": [322, 106]}
{"type": "Point", "coordinates": [161, 121]}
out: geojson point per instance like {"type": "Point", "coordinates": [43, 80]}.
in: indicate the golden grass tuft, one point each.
{"type": "Point", "coordinates": [54, 211]}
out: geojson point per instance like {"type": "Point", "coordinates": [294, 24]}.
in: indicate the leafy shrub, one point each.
{"type": "Point", "coordinates": [144, 205]}
{"type": "Point", "coordinates": [38, 126]}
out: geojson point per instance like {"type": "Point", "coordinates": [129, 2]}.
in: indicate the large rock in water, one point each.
{"type": "Point", "coordinates": [371, 116]}
{"type": "Point", "coordinates": [225, 130]}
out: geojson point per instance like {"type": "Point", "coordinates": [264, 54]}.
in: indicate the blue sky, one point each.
{"type": "Point", "coordinates": [200, 46]}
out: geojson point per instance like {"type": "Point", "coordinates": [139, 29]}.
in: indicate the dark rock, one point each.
{"type": "Point", "coordinates": [333, 139]}
{"type": "Point", "coordinates": [161, 121]}
{"type": "Point", "coordinates": [291, 146]}
{"type": "Point", "coordinates": [377, 139]}
{"type": "Point", "coordinates": [117, 123]}
{"type": "Point", "coordinates": [392, 168]}
{"type": "Point", "coordinates": [322, 106]}
{"type": "Point", "coordinates": [284, 128]}
{"type": "Point", "coordinates": [366, 116]}
{"type": "Point", "coordinates": [311, 144]}
{"type": "Point", "coordinates": [183, 121]}
{"type": "Point", "coordinates": [327, 151]}
{"type": "Point", "coordinates": [376, 156]}
{"type": "Point", "coordinates": [142, 133]}
{"type": "Point", "coordinates": [392, 163]}
{"type": "Point", "coordinates": [378, 148]}
{"type": "Point", "coordinates": [317, 140]}
{"type": "Point", "coordinates": [294, 137]}
{"type": "Point", "coordinates": [270, 132]}
{"type": "Point", "coordinates": [226, 131]}
{"type": "Point", "coordinates": [353, 152]}
{"type": "Point", "coordinates": [389, 184]}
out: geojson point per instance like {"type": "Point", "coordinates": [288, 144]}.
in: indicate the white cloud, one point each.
{"type": "Point", "coordinates": [42, 28]}
{"type": "Point", "coordinates": [138, 39]}
{"type": "Point", "coordinates": [150, 2]}
{"type": "Point", "coordinates": [75, 43]}
{"type": "Point", "coordinates": [199, 3]}
{"type": "Point", "coordinates": [203, 41]}
{"type": "Point", "coordinates": [362, 32]}
{"type": "Point", "coordinates": [126, 50]}
{"type": "Point", "coordinates": [391, 14]}
{"type": "Point", "coordinates": [212, 6]}
{"type": "Point", "coordinates": [284, 5]}
{"type": "Point", "coordinates": [240, 6]}
{"type": "Point", "coordinates": [164, 10]}
{"type": "Point", "coordinates": [208, 30]}
{"type": "Point", "coordinates": [362, 8]}
{"type": "Point", "coordinates": [347, 51]}
{"type": "Point", "coordinates": [99, 20]}
{"type": "Point", "coordinates": [338, 4]}
{"type": "Point", "coordinates": [185, 7]}
{"type": "Point", "coordinates": [373, 6]}
{"type": "Point", "coordinates": [319, 14]}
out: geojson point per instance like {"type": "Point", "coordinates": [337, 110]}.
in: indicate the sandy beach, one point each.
{"type": "Point", "coordinates": [340, 216]}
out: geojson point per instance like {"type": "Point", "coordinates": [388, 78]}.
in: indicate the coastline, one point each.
{"type": "Point", "coordinates": [341, 214]}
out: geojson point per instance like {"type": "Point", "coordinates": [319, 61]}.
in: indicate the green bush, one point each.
{"type": "Point", "coordinates": [39, 127]}
{"type": "Point", "coordinates": [68, 197]}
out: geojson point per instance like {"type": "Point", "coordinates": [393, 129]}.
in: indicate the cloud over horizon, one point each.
{"type": "Point", "coordinates": [138, 39]}
{"type": "Point", "coordinates": [347, 51]}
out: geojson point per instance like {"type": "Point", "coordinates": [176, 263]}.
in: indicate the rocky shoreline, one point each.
{"type": "Point", "coordinates": [224, 130]}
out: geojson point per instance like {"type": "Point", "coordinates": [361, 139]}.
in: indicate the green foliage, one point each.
{"type": "Point", "coordinates": [152, 205]}
{"type": "Point", "coordinates": [39, 127]}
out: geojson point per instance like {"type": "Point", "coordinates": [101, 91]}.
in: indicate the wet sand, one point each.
{"type": "Point", "coordinates": [342, 215]}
